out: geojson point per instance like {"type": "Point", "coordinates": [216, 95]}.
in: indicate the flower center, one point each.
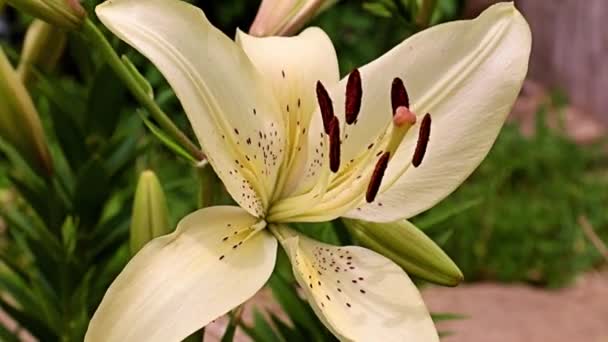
{"type": "Point", "coordinates": [341, 186]}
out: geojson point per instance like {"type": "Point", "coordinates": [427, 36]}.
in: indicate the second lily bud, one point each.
{"type": "Point", "coordinates": [286, 17]}
{"type": "Point", "coordinates": [409, 247]}
{"type": "Point", "coordinates": [68, 14]}
{"type": "Point", "coordinates": [20, 123]}
{"type": "Point", "coordinates": [150, 218]}
{"type": "Point", "coordinates": [42, 48]}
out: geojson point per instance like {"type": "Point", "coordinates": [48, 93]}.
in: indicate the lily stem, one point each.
{"type": "Point", "coordinates": [99, 41]}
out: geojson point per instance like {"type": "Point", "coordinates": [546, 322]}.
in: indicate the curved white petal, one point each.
{"type": "Point", "coordinates": [467, 75]}
{"type": "Point", "coordinates": [357, 293]}
{"type": "Point", "coordinates": [293, 65]}
{"type": "Point", "coordinates": [180, 282]}
{"type": "Point", "coordinates": [234, 115]}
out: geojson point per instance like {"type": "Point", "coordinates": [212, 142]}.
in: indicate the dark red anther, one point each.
{"type": "Point", "coordinates": [334, 144]}
{"type": "Point", "coordinates": [326, 106]}
{"type": "Point", "coordinates": [399, 95]}
{"type": "Point", "coordinates": [374, 183]}
{"type": "Point", "coordinates": [354, 92]}
{"type": "Point", "coordinates": [423, 140]}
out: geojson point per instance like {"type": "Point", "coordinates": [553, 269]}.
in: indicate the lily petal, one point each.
{"type": "Point", "coordinates": [293, 69]}
{"type": "Point", "coordinates": [215, 260]}
{"type": "Point", "coordinates": [358, 294]}
{"type": "Point", "coordinates": [467, 75]}
{"type": "Point", "coordinates": [234, 116]}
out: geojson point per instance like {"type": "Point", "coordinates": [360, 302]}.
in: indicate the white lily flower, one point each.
{"type": "Point", "coordinates": [292, 142]}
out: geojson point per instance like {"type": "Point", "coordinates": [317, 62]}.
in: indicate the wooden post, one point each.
{"type": "Point", "coordinates": [569, 49]}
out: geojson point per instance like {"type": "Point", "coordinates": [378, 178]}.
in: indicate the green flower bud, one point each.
{"type": "Point", "coordinates": [42, 48]}
{"type": "Point", "coordinates": [20, 124]}
{"type": "Point", "coordinates": [150, 218]}
{"type": "Point", "coordinates": [67, 14]}
{"type": "Point", "coordinates": [409, 247]}
{"type": "Point", "coordinates": [286, 17]}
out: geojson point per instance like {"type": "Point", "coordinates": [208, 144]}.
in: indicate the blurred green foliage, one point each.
{"type": "Point", "coordinates": [528, 197]}
{"type": "Point", "coordinates": [515, 219]}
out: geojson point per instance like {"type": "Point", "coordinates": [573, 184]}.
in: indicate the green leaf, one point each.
{"type": "Point", "coordinates": [447, 316]}
{"type": "Point", "coordinates": [230, 328]}
{"type": "Point", "coordinates": [93, 186]}
{"type": "Point", "coordinates": [196, 336]}
{"type": "Point", "coordinates": [291, 334]}
{"type": "Point", "coordinates": [38, 328]}
{"type": "Point", "coordinates": [122, 153]}
{"type": "Point", "coordinates": [7, 335]}
{"type": "Point", "coordinates": [68, 235]}
{"type": "Point", "coordinates": [297, 309]}
{"type": "Point", "coordinates": [66, 106]}
{"type": "Point", "coordinates": [437, 217]}
{"type": "Point", "coordinates": [109, 268]}
{"type": "Point", "coordinates": [105, 100]}
{"type": "Point", "coordinates": [377, 9]}
{"type": "Point", "coordinates": [139, 78]}
{"type": "Point", "coordinates": [16, 286]}
{"type": "Point", "coordinates": [167, 141]}
{"type": "Point", "coordinates": [43, 240]}
{"type": "Point", "coordinates": [261, 330]}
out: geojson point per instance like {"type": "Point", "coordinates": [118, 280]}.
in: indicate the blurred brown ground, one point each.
{"type": "Point", "coordinates": [514, 313]}
{"type": "Point", "coordinates": [501, 313]}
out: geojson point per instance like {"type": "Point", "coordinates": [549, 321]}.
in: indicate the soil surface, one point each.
{"type": "Point", "coordinates": [503, 313]}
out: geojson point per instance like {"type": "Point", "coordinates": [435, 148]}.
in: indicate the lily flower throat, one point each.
{"type": "Point", "coordinates": [338, 184]}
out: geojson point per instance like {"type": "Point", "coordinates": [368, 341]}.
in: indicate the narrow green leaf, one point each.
{"type": "Point", "coordinates": [38, 328]}
{"type": "Point", "coordinates": [377, 9]}
{"type": "Point", "coordinates": [7, 335]}
{"type": "Point", "coordinates": [139, 78]}
{"type": "Point", "coordinates": [291, 334]}
{"type": "Point", "coordinates": [261, 330]}
{"type": "Point", "coordinates": [447, 316]}
{"type": "Point", "coordinates": [92, 189]}
{"type": "Point", "coordinates": [437, 217]}
{"type": "Point", "coordinates": [167, 141]}
{"type": "Point", "coordinates": [297, 309]}
{"type": "Point", "coordinates": [105, 100]}
{"type": "Point", "coordinates": [230, 328]}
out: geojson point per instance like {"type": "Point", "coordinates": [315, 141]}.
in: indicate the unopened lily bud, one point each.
{"type": "Point", "coordinates": [150, 218]}
{"type": "Point", "coordinates": [68, 14]}
{"type": "Point", "coordinates": [19, 121]}
{"type": "Point", "coordinates": [43, 45]}
{"type": "Point", "coordinates": [286, 17]}
{"type": "Point", "coordinates": [409, 247]}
